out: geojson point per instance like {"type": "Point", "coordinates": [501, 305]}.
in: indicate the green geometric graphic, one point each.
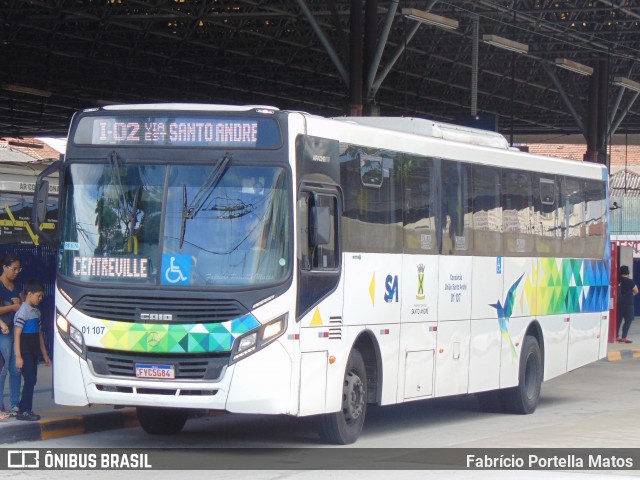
{"type": "Point", "coordinates": [175, 338]}
{"type": "Point", "coordinates": [567, 285]}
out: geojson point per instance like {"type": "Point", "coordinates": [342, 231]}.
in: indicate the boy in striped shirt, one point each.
{"type": "Point", "coordinates": [28, 344]}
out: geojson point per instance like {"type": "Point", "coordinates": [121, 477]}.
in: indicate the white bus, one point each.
{"type": "Point", "coordinates": [252, 260]}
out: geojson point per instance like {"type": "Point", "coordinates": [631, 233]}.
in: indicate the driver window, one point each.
{"type": "Point", "coordinates": [317, 232]}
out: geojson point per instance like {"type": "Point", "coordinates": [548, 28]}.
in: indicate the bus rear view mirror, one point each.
{"type": "Point", "coordinates": [547, 192]}
{"type": "Point", "coordinates": [371, 171]}
{"type": "Point", "coordinates": [40, 201]}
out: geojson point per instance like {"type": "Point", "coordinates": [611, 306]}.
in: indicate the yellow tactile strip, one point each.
{"type": "Point", "coordinates": [622, 354]}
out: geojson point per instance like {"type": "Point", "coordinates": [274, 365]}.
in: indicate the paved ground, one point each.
{"type": "Point", "coordinates": [59, 421]}
{"type": "Point", "coordinates": [617, 351]}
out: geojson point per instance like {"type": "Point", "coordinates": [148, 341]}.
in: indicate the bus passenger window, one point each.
{"type": "Point", "coordinates": [596, 219]}
{"type": "Point", "coordinates": [372, 185]}
{"type": "Point", "coordinates": [487, 211]}
{"type": "Point", "coordinates": [517, 213]}
{"type": "Point", "coordinates": [574, 221]}
{"type": "Point", "coordinates": [456, 213]}
{"type": "Point", "coordinates": [548, 218]}
{"type": "Point", "coordinates": [420, 206]}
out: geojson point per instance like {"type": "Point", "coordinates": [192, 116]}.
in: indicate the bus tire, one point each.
{"type": "Point", "coordinates": [523, 399]}
{"type": "Point", "coordinates": [344, 427]}
{"type": "Point", "coordinates": [161, 421]}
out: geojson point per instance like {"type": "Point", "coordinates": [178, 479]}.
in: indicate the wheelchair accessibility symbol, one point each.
{"type": "Point", "coordinates": [176, 269]}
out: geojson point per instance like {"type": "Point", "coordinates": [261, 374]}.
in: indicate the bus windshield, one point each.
{"type": "Point", "coordinates": [208, 225]}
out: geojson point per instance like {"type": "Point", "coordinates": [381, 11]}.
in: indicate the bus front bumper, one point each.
{"type": "Point", "coordinates": [260, 383]}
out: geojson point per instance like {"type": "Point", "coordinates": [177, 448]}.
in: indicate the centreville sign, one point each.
{"type": "Point", "coordinates": [111, 267]}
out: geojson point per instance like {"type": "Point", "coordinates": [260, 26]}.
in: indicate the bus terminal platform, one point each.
{"type": "Point", "coordinates": [60, 421]}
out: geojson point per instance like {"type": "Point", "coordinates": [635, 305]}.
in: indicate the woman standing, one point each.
{"type": "Point", "coordinates": [627, 289]}
{"type": "Point", "coordinates": [11, 300]}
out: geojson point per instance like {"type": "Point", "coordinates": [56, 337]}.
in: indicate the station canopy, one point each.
{"type": "Point", "coordinates": [521, 67]}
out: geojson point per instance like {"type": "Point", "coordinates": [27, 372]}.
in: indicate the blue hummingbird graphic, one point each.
{"type": "Point", "coordinates": [504, 314]}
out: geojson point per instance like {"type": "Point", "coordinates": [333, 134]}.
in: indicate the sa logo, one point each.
{"type": "Point", "coordinates": [391, 289]}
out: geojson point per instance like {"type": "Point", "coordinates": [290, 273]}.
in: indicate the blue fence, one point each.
{"type": "Point", "coordinates": [40, 263]}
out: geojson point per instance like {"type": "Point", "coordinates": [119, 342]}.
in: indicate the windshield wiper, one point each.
{"type": "Point", "coordinates": [190, 211]}
{"type": "Point", "coordinates": [183, 225]}
{"type": "Point", "coordinates": [114, 162]}
{"type": "Point", "coordinates": [134, 217]}
{"type": "Point", "coordinates": [129, 216]}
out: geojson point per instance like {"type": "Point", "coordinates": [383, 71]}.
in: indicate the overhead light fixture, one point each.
{"type": "Point", "coordinates": [574, 66]}
{"type": "Point", "coordinates": [430, 18]}
{"type": "Point", "coordinates": [505, 43]}
{"type": "Point", "coordinates": [27, 90]}
{"type": "Point", "coordinates": [626, 83]}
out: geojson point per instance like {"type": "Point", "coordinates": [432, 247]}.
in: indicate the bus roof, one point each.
{"type": "Point", "coordinates": [184, 107]}
{"type": "Point", "coordinates": [455, 136]}
{"type": "Point", "coordinates": [430, 128]}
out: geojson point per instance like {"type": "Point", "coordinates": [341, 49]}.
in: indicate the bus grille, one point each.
{"type": "Point", "coordinates": [128, 309]}
{"type": "Point", "coordinates": [192, 368]}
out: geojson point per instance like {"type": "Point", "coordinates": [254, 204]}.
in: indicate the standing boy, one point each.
{"type": "Point", "coordinates": [28, 344]}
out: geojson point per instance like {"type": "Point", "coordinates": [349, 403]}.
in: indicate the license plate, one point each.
{"type": "Point", "coordinates": [155, 371]}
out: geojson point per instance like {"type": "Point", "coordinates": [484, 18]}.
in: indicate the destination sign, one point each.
{"type": "Point", "coordinates": [196, 131]}
{"type": "Point", "coordinates": [111, 267]}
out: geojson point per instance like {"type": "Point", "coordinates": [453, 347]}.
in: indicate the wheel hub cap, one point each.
{"type": "Point", "coordinates": [354, 397]}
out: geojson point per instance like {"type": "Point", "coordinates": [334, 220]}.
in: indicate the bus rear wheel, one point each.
{"type": "Point", "coordinates": [523, 399]}
{"type": "Point", "coordinates": [344, 427]}
{"type": "Point", "coordinates": [161, 421]}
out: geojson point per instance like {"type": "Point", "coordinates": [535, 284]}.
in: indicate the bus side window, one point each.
{"type": "Point", "coordinates": [420, 183]}
{"type": "Point", "coordinates": [548, 217]}
{"type": "Point", "coordinates": [574, 218]}
{"type": "Point", "coordinates": [324, 249]}
{"type": "Point", "coordinates": [317, 231]}
{"type": "Point", "coordinates": [596, 219]}
{"type": "Point", "coordinates": [456, 211]}
{"type": "Point", "coordinates": [304, 259]}
{"type": "Point", "coordinates": [487, 211]}
{"type": "Point", "coordinates": [517, 213]}
{"type": "Point", "coordinates": [319, 250]}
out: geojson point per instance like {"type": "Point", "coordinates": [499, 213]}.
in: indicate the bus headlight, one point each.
{"type": "Point", "coordinates": [247, 342]}
{"type": "Point", "coordinates": [257, 339]}
{"type": "Point", "coordinates": [71, 335]}
{"type": "Point", "coordinates": [273, 329]}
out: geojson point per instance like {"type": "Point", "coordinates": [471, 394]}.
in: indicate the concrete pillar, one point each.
{"type": "Point", "coordinates": [370, 42]}
{"type": "Point", "coordinates": [597, 121]}
{"type": "Point", "coordinates": [356, 54]}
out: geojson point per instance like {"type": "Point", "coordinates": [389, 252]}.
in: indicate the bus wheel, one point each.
{"type": "Point", "coordinates": [523, 398]}
{"type": "Point", "coordinates": [344, 427]}
{"type": "Point", "coordinates": [161, 421]}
